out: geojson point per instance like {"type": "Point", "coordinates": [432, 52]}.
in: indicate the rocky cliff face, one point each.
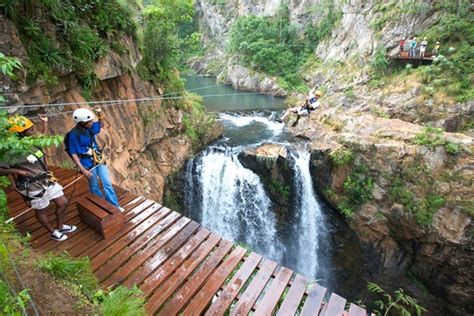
{"type": "Point", "coordinates": [144, 141]}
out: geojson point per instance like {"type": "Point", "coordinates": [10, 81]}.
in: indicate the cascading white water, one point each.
{"type": "Point", "coordinates": [230, 199]}
{"type": "Point", "coordinates": [310, 229]}
{"type": "Point", "coordinates": [233, 201]}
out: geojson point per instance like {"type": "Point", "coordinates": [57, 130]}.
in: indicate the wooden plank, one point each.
{"type": "Point", "coordinates": [110, 246]}
{"type": "Point", "coordinates": [97, 244]}
{"type": "Point", "coordinates": [175, 304]}
{"type": "Point", "coordinates": [335, 306]}
{"type": "Point", "coordinates": [294, 296]}
{"type": "Point", "coordinates": [53, 245]}
{"type": "Point", "coordinates": [167, 269]}
{"type": "Point", "coordinates": [247, 300]}
{"type": "Point", "coordinates": [355, 310]}
{"type": "Point", "coordinates": [230, 291]}
{"type": "Point", "coordinates": [202, 299]}
{"type": "Point", "coordinates": [103, 264]}
{"type": "Point", "coordinates": [157, 260]}
{"type": "Point", "coordinates": [175, 240]}
{"type": "Point", "coordinates": [314, 300]}
{"type": "Point", "coordinates": [162, 293]}
{"type": "Point", "coordinates": [270, 300]}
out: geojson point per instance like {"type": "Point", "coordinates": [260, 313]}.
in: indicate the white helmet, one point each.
{"type": "Point", "coordinates": [82, 115]}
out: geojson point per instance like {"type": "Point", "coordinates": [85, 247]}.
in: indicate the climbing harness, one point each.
{"type": "Point", "coordinates": [22, 183]}
{"type": "Point", "coordinates": [64, 188]}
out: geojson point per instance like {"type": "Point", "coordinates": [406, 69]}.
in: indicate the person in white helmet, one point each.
{"type": "Point", "coordinates": [311, 103]}
{"type": "Point", "coordinates": [82, 146]}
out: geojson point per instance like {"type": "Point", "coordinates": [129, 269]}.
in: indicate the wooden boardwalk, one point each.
{"type": "Point", "coordinates": [181, 267]}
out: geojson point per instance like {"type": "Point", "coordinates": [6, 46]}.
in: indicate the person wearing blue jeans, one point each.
{"type": "Point", "coordinates": [82, 146]}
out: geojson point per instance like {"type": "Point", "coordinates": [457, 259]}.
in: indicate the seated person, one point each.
{"type": "Point", "coordinates": [311, 103]}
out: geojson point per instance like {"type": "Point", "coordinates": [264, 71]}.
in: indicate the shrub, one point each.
{"type": "Point", "coordinates": [74, 271]}
{"type": "Point", "coordinates": [398, 302]}
{"type": "Point", "coordinates": [358, 185]}
{"type": "Point", "coordinates": [379, 61]}
{"type": "Point", "coordinates": [341, 156]}
{"type": "Point", "coordinates": [357, 190]}
{"type": "Point", "coordinates": [429, 206]}
{"type": "Point", "coordinates": [121, 302]}
{"type": "Point", "coordinates": [430, 137]}
{"type": "Point", "coordinates": [451, 148]}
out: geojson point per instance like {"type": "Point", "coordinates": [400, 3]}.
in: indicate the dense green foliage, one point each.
{"type": "Point", "coordinates": [84, 31]}
{"type": "Point", "coordinates": [161, 21]}
{"type": "Point", "coordinates": [197, 122]}
{"type": "Point", "coordinates": [398, 302]}
{"type": "Point", "coordinates": [274, 46]}
{"type": "Point", "coordinates": [357, 190]}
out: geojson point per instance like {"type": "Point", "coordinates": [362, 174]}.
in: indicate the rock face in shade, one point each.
{"type": "Point", "coordinates": [144, 141]}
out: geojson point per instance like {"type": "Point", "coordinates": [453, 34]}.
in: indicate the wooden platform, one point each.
{"type": "Point", "coordinates": [180, 266]}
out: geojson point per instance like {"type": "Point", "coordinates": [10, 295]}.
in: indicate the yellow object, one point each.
{"type": "Point", "coordinates": [318, 93]}
{"type": "Point", "coordinates": [19, 124]}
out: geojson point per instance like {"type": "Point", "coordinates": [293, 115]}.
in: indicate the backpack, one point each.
{"type": "Point", "coordinates": [66, 141]}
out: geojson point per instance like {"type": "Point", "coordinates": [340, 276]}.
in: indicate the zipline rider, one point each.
{"type": "Point", "coordinates": [82, 146]}
{"type": "Point", "coordinates": [311, 103]}
{"type": "Point", "coordinates": [35, 182]}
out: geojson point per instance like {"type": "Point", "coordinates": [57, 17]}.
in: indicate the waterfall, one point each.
{"type": "Point", "coordinates": [309, 229]}
{"type": "Point", "coordinates": [232, 201]}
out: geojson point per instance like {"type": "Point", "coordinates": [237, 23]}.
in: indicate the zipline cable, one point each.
{"type": "Point", "coordinates": [120, 100]}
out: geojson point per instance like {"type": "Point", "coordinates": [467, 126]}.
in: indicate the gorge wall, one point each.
{"type": "Point", "coordinates": [144, 141]}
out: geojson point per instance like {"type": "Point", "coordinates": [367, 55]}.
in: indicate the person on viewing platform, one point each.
{"type": "Point", "coordinates": [311, 103]}
{"type": "Point", "coordinates": [35, 182]}
{"type": "Point", "coordinates": [402, 45]}
{"type": "Point", "coordinates": [413, 47]}
{"type": "Point", "coordinates": [423, 45]}
{"type": "Point", "coordinates": [435, 49]}
{"type": "Point", "coordinates": [82, 146]}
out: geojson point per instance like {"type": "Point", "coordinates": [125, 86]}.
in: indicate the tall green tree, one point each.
{"type": "Point", "coordinates": [161, 21]}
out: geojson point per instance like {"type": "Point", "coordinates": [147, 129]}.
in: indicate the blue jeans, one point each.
{"type": "Point", "coordinates": [102, 173]}
{"type": "Point", "coordinates": [413, 52]}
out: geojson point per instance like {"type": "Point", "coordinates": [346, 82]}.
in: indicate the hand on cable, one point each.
{"type": "Point", "coordinates": [43, 117]}
{"type": "Point", "coordinates": [87, 173]}
{"type": "Point", "coordinates": [97, 109]}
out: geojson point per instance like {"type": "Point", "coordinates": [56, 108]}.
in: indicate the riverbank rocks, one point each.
{"type": "Point", "coordinates": [408, 198]}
